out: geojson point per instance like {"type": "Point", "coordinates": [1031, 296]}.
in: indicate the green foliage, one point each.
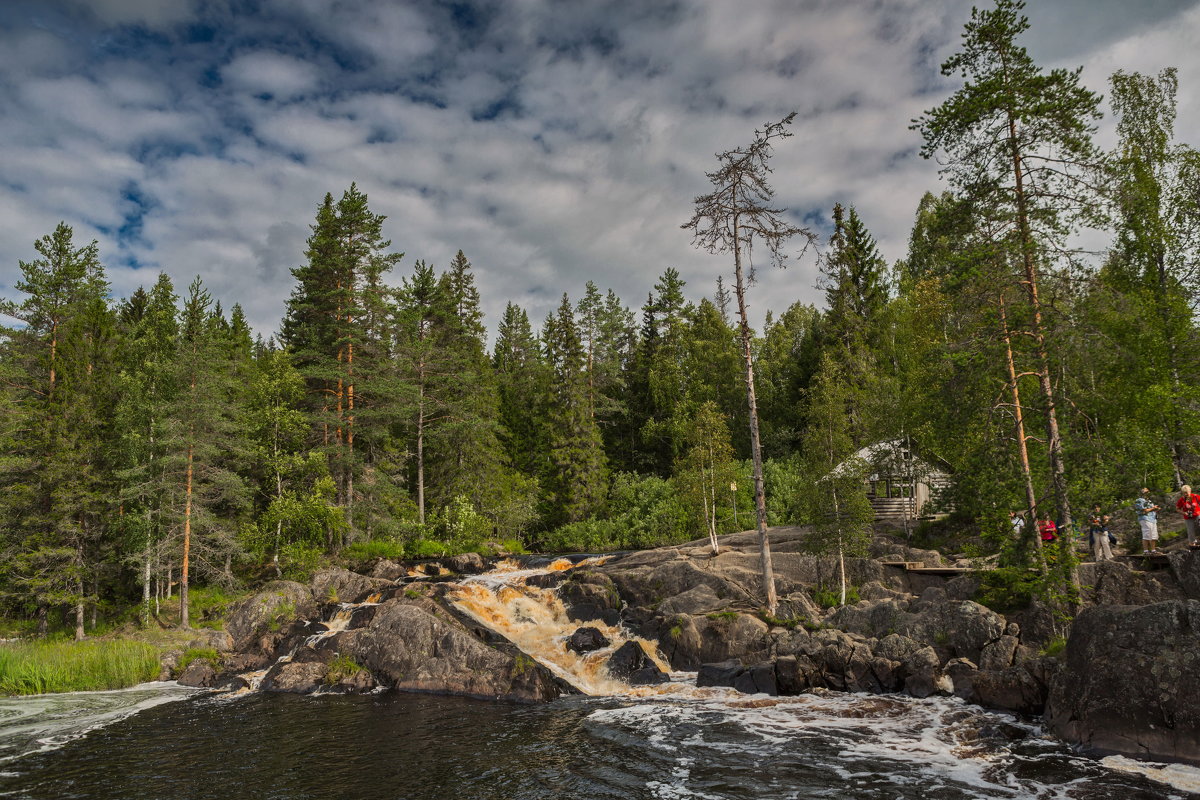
{"type": "Point", "coordinates": [374, 549]}
{"type": "Point", "coordinates": [47, 666]}
{"type": "Point", "coordinates": [1055, 646]}
{"type": "Point", "coordinates": [198, 654]}
{"type": "Point", "coordinates": [831, 598]}
{"type": "Point", "coordinates": [341, 668]}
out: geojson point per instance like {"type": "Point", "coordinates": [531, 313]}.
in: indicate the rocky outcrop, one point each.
{"type": "Point", "coordinates": [278, 604]}
{"type": "Point", "coordinates": [1130, 684]}
{"type": "Point", "coordinates": [466, 564]}
{"type": "Point", "coordinates": [416, 646]}
{"type": "Point", "coordinates": [338, 585]}
{"type": "Point", "coordinates": [961, 628]}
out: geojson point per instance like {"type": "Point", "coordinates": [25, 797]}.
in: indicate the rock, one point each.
{"type": "Point", "coordinates": [546, 580]}
{"type": "Point", "coordinates": [199, 673]}
{"type": "Point", "coordinates": [1117, 583]}
{"type": "Point", "coordinates": [388, 570]}
{"type": "Point", "coordinates": [923, 676]}
{"type": "Point", "coordinates": [232, 683]}
{"type": "Point", "coordinates": [697, 600]}
{"type": "Point", "coordinates": [720, 674]}
{"type": "Point", "coordinates": [337, 585]}
{"type": "Point", "coordinates": [689, 641]}
{"type": "Point", "coordinates": [874, 590]}
{"type": "Point", "coordinates": [962, 628]}
{"type": "Point", "coordinates": [587, 639]}
{"type": "Point", "coordinates": [466, 564]}
{"type": "Point", "coordinates": [418, 647]}
{"type": "Point", "coordinates": [590, 596]}
{"type": "Point", "coordinates": [220, 641]}
{"type": "Point", "coordinates": [961, 673]}
{"type": "Point", "coordinates": [1014, 689]}
{"type": "Point", "coordinates": [999, 654]}
{"type": "Point", "coordinates": [303, 677]}
{"type": "Point", "coordinates": [631, 664]}
{"type": "Point", "coordinates": [1129, 682]}
{"type": "Point", "coordinates": [755, 679]}
{"type": "Point", "coordinates": [1039, 624]}
{"type": "Point", "coordinates": [275, 606]}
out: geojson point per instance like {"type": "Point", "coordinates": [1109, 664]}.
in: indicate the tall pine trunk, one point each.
{"type": "Point", "coordinates": [1022, 445]}
{"type": "Point", "coordinates": [760, 495]}
{"type": "Point", "coordinates": [187, 542]}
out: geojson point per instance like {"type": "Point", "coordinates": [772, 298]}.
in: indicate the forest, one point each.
{"type": "Point", "coordinates": [153, 442]}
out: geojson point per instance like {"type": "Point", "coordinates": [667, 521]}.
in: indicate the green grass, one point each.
{"type": "Point", "coordinates": [340, 668]}
{"type": "Point", "coordinates": [378, 548]}
{"type": "Point", "coordinates": [198, 654]}
{"type": "Point", "coordinates": [41, 667]}
{"type": "Point", "coordinates": [1055, 646]}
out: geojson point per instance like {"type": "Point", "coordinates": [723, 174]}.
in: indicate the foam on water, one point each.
{"type": "Point", "coordinates": [38, 723]}
{"type": "Point", "coordinates": [1178, 776]}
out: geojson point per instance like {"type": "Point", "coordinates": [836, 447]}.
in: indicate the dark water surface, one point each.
{"type": "Point", "coordinates": [413, 747]}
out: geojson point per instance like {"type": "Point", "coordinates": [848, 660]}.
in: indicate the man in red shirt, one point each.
{"type": "Point", "coordinates": [1189, 505]}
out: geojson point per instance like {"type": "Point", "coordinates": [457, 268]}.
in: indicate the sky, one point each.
{"type": "Point", "coordinates": [553, 142]}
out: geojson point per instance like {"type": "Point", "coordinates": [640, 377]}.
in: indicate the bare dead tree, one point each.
{"type": "Point", "coordinates": [730, 219]}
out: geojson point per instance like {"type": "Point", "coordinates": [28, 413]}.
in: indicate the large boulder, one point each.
{"type": "Point", "coordinates": [1116, 583]}
{"type": "Point", "coordinates": [338, 585]}
{"type": "Point", "coordinates": [587, 639]}
{"type": "Point", "coordinates": [466, 564]}
{"type": "Point", "coordinates": [417, 646]}
{"type": "Point", "coordinates": [199, 674]}
{"type": "Point", "coordinates": [1129, 684]}
{"type": "Point", "coordinates": [273, 608]}
{"type": "Point", "coordinates": [691, 640]}
{"type": "Point", "coordinates": [590, 595]}
{"type": "Point", "coordinates": [753, 679]}
{"type": "Point", "coordinates": [630, 663]}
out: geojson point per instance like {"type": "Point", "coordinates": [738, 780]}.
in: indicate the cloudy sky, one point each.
{"type": "Point", "coordinates": [552, 141]}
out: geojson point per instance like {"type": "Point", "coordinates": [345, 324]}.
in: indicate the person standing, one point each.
{"type": "Point", "coordinates": [1048, 530]}
{"type": "Point", "coordinates": [1189, 505]}
{"type": "Point", "coordinates": [1018, 524]}
{"type": "Point", "coordinates": [1098, 535]}
{"type": "Point", "coordinates": [1147, 520]}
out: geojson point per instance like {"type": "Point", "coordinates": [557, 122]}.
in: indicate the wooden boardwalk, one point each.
{"type": "Point", "coordinates": [920, 568]}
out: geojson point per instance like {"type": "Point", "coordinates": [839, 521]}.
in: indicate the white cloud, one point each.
{"type": "Point", "coordinates": [553, 143]}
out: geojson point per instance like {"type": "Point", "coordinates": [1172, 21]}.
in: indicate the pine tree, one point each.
{"type": "Point", "coordinates": [522, 382]}
{"type": "Point", "coordinates": [54, 500]}
{"type": "Point", "coordinates": [205, 445]}
{"type": "Point", "coordinates": [1017, 142]}
{"type": "Point", "coordinates": [729, 219]}
{"type": "Point", "coordinates": [146, 390]}
{"type": "Point", "coordinates": [574, 483]}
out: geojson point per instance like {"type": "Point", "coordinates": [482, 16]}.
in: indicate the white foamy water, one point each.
{"type": "Point", "coordinates": [38, 723]}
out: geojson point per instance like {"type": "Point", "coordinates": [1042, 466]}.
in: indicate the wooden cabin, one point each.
{"type": "Point", "coordinates": [900, 483]}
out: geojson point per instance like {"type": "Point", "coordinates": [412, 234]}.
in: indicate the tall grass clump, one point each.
{"type": "Point", "coordinates": [41, 667]}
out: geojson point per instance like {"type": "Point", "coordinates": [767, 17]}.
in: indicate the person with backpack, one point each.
{"type": "Point", "coordinates": [1189, 505]}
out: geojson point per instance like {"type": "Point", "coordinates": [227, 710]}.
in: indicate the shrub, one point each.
{"type": "Point", "coordinates": [1055, 646]}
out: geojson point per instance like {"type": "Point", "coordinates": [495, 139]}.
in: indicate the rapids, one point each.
{"type": "Point", "coordinates": [611, 741]}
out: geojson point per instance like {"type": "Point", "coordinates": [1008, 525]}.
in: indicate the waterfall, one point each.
{"type": "Point", "coordinates": [536, 621]}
